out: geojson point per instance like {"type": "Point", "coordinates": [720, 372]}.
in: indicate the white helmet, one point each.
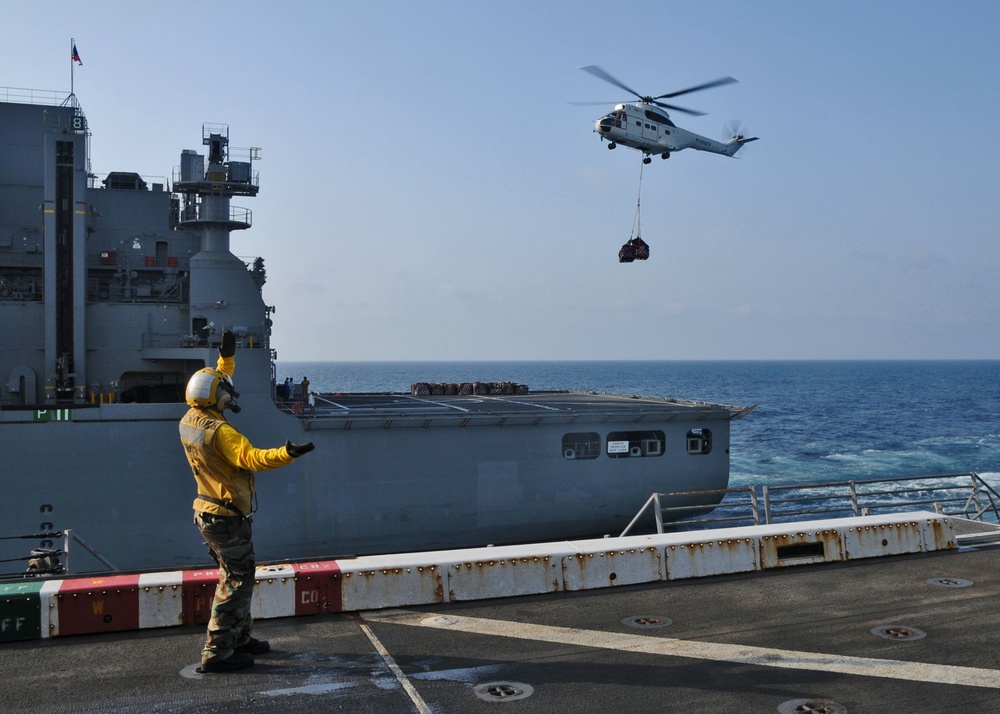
{"type": "Point", "coordinates": [204, 385]}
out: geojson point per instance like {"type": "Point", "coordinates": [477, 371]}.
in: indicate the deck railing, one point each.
{"type": "Point", "coordinates": [964, 495]}
{"type": "Point", "coordinates": [48, 561]}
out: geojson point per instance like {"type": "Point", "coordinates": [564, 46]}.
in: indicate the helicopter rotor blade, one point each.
{"type": "Point", "coordinates": [601, 74]}
{"type": "Point", "coordinates": [707, 85]}
{"type": "Point", "coordinates": [675, 108]}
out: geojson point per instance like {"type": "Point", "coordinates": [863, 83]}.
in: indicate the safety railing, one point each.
{"type": "Point", "coordinates": [46, 561]}
{"type": "Point", "coordinates": [964, 495]}
{"type": "Point", "coordinates": [19, 95]}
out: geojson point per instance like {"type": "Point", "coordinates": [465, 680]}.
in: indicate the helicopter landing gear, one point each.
{"type": "Point", "coordinates": [612, 145]}
{"type": "Point", "coordinates": [665, 155]}
{"type": "Point", "coordinates": [646, 159]}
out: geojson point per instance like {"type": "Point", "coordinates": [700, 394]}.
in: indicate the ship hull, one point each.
{"type": "Point", "coordinates": [116, 475]}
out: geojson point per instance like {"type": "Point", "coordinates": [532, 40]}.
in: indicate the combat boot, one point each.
{"type": "Point", "coordinates": [254, 646]}
{"type": "Point", "coordinates": [232, 663]}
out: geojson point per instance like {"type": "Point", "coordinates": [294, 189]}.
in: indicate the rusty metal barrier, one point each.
{"type": "Point", "coordinates": [964, 495]}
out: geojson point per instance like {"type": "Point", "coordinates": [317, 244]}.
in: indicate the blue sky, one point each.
{"type": "Point", "coordinates": [428, 192]}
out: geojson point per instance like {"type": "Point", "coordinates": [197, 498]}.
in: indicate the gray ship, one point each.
{"type": "Point", "coordinates": [114, 289]}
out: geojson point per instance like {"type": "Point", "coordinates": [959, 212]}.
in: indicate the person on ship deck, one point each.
{"type": "Point", "coordinates": [224, 462]}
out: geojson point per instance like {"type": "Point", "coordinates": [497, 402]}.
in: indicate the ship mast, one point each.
{"type": "Point", "coordinates": [219, 295]}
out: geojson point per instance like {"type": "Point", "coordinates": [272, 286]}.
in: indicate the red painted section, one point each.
{"type": "Point", "coordinates": [318, 588]}
{"type": "Point", "coordinates": [110, 604]}
{"type": "Point", "coordinates": [106, 604]}
{"type": "Point", "coordinates": [197, 591]}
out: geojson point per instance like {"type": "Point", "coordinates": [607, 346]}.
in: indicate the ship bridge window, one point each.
{"type": "Point", "coordinates": [699, 441]}
{"type": "Point", "coordinates": [632, 444]}
{"type": "Point", "coordinates": [581, 445]}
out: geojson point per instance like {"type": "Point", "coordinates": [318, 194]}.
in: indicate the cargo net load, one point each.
{"type": "Point", "coordinates": [424, 389]}
{"type": "Point", "coordinates": [635, 249]}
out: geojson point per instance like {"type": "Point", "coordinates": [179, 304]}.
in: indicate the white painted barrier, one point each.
{"type": "Point", "coordinates": [109, 603]}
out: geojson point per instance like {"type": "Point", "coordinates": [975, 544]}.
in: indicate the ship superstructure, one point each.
{"type": "Point", "coordinates": [107, 281]}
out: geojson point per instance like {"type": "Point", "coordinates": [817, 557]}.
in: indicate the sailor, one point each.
{"type": "Point", "coordinates": [224, 463]}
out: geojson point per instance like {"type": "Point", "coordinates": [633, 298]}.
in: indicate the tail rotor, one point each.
{"type": "Point", "coordinates": [735, 130]}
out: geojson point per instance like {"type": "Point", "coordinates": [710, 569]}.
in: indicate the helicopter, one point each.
{"type": "Point", "coordinates": [645, 127]}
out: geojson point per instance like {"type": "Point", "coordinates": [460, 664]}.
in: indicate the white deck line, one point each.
{"type": "Point", "coordinates": [737, 654]}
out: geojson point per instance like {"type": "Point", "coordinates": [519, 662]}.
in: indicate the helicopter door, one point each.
{"type": "Point", "coordinates": [650, 130]}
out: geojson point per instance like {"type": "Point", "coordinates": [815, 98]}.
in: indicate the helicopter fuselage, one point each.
{"type": "Point", "coordinates": [648, 129]}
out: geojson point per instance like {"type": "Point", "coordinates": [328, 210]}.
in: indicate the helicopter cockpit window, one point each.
{"type": "Point", "coordinates": [657, 117]}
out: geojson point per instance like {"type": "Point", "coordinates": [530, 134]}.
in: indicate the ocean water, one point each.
{"type": "Point", "coordinates": [815, 422]}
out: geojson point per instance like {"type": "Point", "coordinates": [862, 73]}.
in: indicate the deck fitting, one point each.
{"type": "Point", "coordinates": [899, 633]}
{"type": "Point", "coordinates": [950, 582]}
{"type": "Point", "coordinates": [503, 691]}
{"type": "Point", "coordinates": [647, 622]}
{"type": "Point", "coordinates": [811, 706]}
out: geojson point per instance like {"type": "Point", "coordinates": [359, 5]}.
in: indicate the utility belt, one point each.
{"type": "Point", "coordinates": [228, 505]}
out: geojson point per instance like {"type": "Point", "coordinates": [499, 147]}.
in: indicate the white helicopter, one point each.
{"type": "Point", "coordinates": [643, 126]}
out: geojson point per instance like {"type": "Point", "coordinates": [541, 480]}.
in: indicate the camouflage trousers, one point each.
{"type": "Point", "coordinates": [230, 542]}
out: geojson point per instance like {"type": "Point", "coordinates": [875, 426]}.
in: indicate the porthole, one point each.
{"type": "Point", "coordinates": [635, 444]}
{"type": "Point", "coordinates": [581, 445]}
{"type": "Point", "coordinates": [699, 441]}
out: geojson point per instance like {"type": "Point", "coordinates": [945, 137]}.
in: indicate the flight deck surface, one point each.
{"type": "Point", "coordinates": [899, 634]}
{"type": "Point", "coordinates": [531, 408]}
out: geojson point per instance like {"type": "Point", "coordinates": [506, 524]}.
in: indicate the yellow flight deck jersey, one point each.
{"type": "Point", "coordinates": [223, 460]}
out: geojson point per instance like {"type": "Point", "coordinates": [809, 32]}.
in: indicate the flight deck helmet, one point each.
{"type": "Point", "coordinates": [203, 389]}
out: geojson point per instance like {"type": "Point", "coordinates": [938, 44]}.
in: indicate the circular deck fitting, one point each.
{"type": "Point", "coordinates": [647, 622]}
{"type": "Point", "coordinates": [900, 633]}
{"type": "Point", "coordinates": [811, 706]}
{"type": "Point", "coordinates": [503, 691]}
{"type": "Point", "coordinates": [950, 582]}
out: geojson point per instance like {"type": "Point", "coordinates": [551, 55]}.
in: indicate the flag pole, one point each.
{"type": "Point", "coordinates": [72, 44]}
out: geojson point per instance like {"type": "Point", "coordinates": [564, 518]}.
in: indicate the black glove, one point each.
{"type": "Point", "coordinates": [296, 450]}
{"type": "Point", "coordinates": [228, 346]}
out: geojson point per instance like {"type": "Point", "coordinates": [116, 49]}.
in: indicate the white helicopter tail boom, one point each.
{"type": "Point", "coordinates": [737, 143]}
